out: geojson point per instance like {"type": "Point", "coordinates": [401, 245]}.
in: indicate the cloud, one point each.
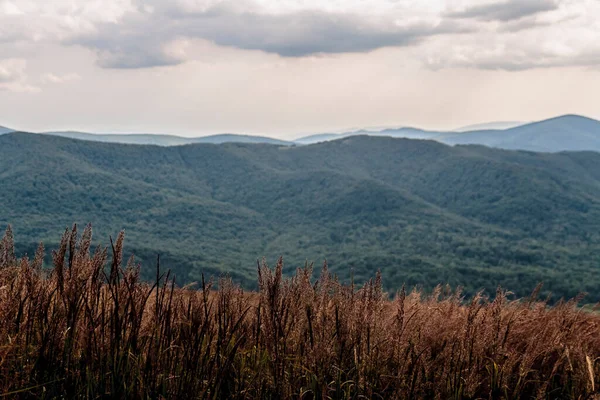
{"type": "Point", "coordinates": [51, 78]}
{"type": "Point", "coordinates": [9, 8]}
{"type": "Point", "coordinates": [516, 51]}
{"type": "Point", "coordinates": [538, 35]}
{"type": "Point", "coordinates": [485, 34]}
{"type": "Point", "coordinates": [144, 39]}
{"type": "Point", "coordinates": [13, 77]}
{"type": "Point", "coordinates": [11, 70]}
{"type": "Point", "coordinates": [505, 11]}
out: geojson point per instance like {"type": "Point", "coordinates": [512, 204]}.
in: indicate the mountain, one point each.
{"type": "Point", "coordinates": [233, 138]}
{"type": "Point", "coordinates": [407, 133]}
{"type": "Point", "coordinates": [134, 138]}
{"type": "Point", "coordinates": [319, 137]}
{"type": "Point", "coordinates": [566, 133]}
{"type": "Point", "coordinates": [166, 140]}
{"type": "Point", "coordinates": [500, 125]}
{"type": "Point", "coordinates": [420, 211]}
{"type": "Point", "coordinates": [4, 130]}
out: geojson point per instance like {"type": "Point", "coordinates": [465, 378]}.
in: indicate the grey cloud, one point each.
{"type": "Point", "coordinates": [129, 52]}
{"type": "Point", "coordinates": [143, 39]}
{"type": "Point", "coordinates": [524, 24]}
{"type": "Point", "coordinates": [140, 40]}
{"type": "Point", "coordinates": [532, 22]}
{"type": "Point", "coordinates": [305, 33]}
{"type": "Point", "coordinates": [506, 11]}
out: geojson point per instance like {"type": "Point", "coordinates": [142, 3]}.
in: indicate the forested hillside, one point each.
{"type": "Point", "coordinates": [422, 212]}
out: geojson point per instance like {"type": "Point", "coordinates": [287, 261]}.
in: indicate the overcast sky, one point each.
{"type": "Point", "coordinates": [287, 67]}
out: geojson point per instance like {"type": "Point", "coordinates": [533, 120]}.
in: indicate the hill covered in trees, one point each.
{"type": "Point", "coordinates": [420, 211]}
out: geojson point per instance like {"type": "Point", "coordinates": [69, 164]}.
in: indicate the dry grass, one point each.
{"type": "Point", "coordinates": [83, 330]}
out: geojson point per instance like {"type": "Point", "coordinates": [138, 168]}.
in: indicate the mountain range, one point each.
{"type": "Point", "coordinates": [490, 126]}
{"type": "Point", "coordinates": [168, 140]}
{"type": "Point", "coordinates": [420, 211]}
{"type": "Point", "coordinates": [565, 133]}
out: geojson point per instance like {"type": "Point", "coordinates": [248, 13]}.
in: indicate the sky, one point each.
{"type": "Point", "coordinates": [284, 68]}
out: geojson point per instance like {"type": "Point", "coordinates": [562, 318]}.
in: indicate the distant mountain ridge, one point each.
{"type": "Point", "coordinates": [4, 130]}
{"type": "Point", "coordinates": [499, 125]}
{"type": "Point", "coordinates": [564, 133]}
{"type": "Point", "coordinates": [405, 133]}
{"type": "Point", "coordinates": [166, 140]}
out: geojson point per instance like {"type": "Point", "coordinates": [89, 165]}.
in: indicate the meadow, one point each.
{"type": "Point", "coordinates": [90, 328]}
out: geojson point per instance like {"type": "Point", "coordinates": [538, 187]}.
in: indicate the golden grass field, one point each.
{"type": "Point", "coordinates": [89, 328]}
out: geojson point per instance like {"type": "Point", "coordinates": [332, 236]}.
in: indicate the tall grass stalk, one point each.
{"type": "Point", "coordinates": [90, 328]}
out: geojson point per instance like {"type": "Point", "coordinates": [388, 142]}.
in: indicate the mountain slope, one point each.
{"type": "Point", "coordinates": [233, 138]}
{"type": "Point", "coordinates": [406, 133]}
{"type": "Point", "coordinates": [566, 133]}
{"type": "Point", "coordinates": [500, 125]}
{"type": "Point", "coordinates": [4, 130]}
{"type": "Point", "coordinates": [166, 140]}
{"type": "Point", "coordinates": [139, 138]}
{"type": "Point", "coordinates": [319, 137]}
{"type": "Point", "coordinates": [422, 212]}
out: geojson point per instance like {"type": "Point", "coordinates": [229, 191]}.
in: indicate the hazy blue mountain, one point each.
{"type": "Point", "coordinates": [500, 125]}
{"type": "Point", "coordinates": [5, 130]}
{"type": "Point", "coordinates": [565, 133]}
{"type": "Point", "coordinates": [166, 140]}
{"type": "Point", "coordinates": [406, 133]}
{"type": "Point", "coordinates": [487, 137]}
{"type": "Point", "coordinates": [136, 138]}
{"type": "Point", "coordinates": [319, 137]}
{"type": "Point", "coordinates": [234, 138]}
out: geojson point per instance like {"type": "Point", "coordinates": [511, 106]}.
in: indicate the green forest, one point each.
{"type": "Point", "coordinates": [421, 212]}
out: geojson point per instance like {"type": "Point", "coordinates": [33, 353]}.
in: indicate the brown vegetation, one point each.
{"type": "Point", "coordinates": [81, 330]}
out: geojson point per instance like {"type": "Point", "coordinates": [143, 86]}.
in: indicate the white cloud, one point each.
{"type": "Point", "coordinates": [9, 8]}
{"type": "Point", "coordinates": [566, 36]}
{"type": "Point", "coordinates": [13, 77]}
{"type": "Point", "coordinates": [50, 78]}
